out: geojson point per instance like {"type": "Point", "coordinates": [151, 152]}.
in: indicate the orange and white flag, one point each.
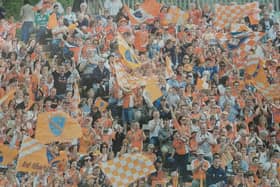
{"type": "Point", "coordinates": [32, 156]}
{"type": "Point", "coordinates": [254, 68]}
{"type": "Point", "coordinates": [225, 15]}
{"type": "Point", "coordinates": [126, 169]}
{"type": "Point", "coordinates": [137, 16]}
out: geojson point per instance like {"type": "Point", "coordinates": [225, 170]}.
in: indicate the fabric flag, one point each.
{"type": "Point", "coordinates": [76, 53]}
{"type": "Point", "coordinates": [169, 71]}
{"type": "Point", "coordinates": [270, 92]}
{"type": "Point", "coordinates": [56, 126]}
{"type": "Point", "coordinates": [8, 97]}
{"type": "Point", "coordinates": [249, 44]}
{"type": "Point", "coordinates": [127, 53]}
{"type": "Point", "coordinates": [60, 159]}
{"type": "Point", "coordinates": [202, 84]}
{"type": "Point", "coordinates": [242, 42]}
{"type": "Point", "coordinates": [32, 156]}
{"type": "Point", "coordinates": [101, 104]}
{"type": "Point", "coordinates": [152, 91]}
{"type": "Point", "coordinates": [52, 23]}
{"type": "Point", "coordinates": [151, 7]}
{"type": "Point", "coordinates": [254, 68]}
{"type": "Point", "coordinates": [126, 169]}
{"type": "Point", "coordinates": [137, 16]}
{"type": "Point", "coordinates": [229, 14]}
{"type": "Point", "coordinates": [130, 80]}
{"type": "Point", "coordinates": [175, 16]}
{"type": "Point", "coordinates": [7, 155]}
{"type": "Point", "coordinates": [236, 27]}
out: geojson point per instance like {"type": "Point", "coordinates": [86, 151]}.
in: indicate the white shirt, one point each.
{"type": "Point", "coordinates": [158, 124]}
{"type": "Point", "coordinates": [113, 6]}
{"type": "Point", "coordinates": [206, 146]}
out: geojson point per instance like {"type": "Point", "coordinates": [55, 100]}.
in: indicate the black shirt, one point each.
{"type": "Point", "coordinates": [60, 82]}
{"type": "Point", "coordinates": [215, 175]}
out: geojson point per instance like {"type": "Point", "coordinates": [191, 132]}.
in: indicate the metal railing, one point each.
{"type": "Point", "coordinates": [184, 4]}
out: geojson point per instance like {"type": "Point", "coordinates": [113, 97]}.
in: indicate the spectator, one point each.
{"type": "Point", "coordinates": [215, 175]}
{"type": "Point", "coordinates": [27, 15]}
{"type": "Point", "coordinates": [113, 6]}
{"type": "Point", "coordinates": [199, 167]}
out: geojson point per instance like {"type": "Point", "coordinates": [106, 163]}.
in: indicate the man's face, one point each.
{"type": "Point", "coordinates": [217, 162]}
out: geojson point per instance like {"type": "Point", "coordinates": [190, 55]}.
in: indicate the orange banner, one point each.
{"type": "Point", "coordinates": [32, 156]}
{"type": "Point", "coordinates": [56, 126]}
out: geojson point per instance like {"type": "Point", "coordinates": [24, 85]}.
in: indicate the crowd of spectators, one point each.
{"type": "Point", "coordinates": [224, 135]}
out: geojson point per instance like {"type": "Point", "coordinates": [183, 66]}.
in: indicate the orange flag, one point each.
{"type": "Point", "coordinates": [56, 126]}
{"type": "Point", "coordinates": [152, 7]}
{"type": "Point", "coordinates": [152, 91]}
{"type": "Point", "coordinates": [76, 53]}
{"type": "Point", "coordinates": [32, 156]}
{"type": "Point", "coordinates": [101, 104]}
{"type": "Point", "coordinates": [52, 23]}
{"type": "Point", "coordinates": [8, 97]}
{"type": "Point", "coordinates": [7, 155]}
{"type": "Point", "coordinates": [137, 16]}
{"type": "Point", "coordinates": [254, 68]}
{"type": "Point", "coordinates": [128, 55]}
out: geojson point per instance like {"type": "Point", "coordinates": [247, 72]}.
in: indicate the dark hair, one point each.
{"type": "Point", "coordinates": [25, 2]}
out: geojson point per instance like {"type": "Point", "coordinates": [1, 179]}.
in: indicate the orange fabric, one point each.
{"type": "Point", "coordinates": [2, 92]}
{"type": "Point", "coordinates": [126, 100]}
{"type": "Point", "coordinates": [52, 23]}
{"type": "Point", "coordinates": [85, 141]}
{"type": "Point", "coordinates": [110, 32]}
{"type": "Point", "coordinates": [276, 114]}
{"type": "Point", "coordinates": [76, 52]}
{"type": "Point", "coordinates": [136, 139]}
{"type": "Point", "coordinates": [151, 7]}
{"type": "Point", "coordinates": [141, 40]}
{"type": "Point", "coordinates": [195, 16]}
{"type": "Point", "coordinates": [179, 146]}
{"type": "Point", "coordinates": [30, 159]}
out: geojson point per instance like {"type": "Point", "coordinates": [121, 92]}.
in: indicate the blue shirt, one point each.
{"type": "Point", "coordinates": [201, 69]}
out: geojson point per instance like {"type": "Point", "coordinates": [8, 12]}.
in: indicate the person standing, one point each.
{"type": "Point", "coordinates": [27, 15]}
{"type": "Point", "coordinates": [199, 167]}
{"type": "Point", "coordinates": [113, 6]}
{"type": "Point", "coordinates": [215, 175]}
